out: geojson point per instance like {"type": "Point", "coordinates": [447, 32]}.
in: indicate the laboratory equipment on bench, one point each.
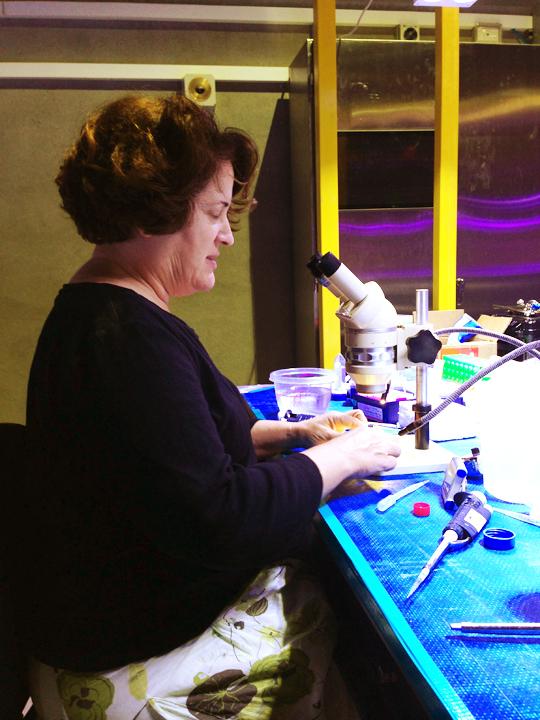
{"type": "Point", "coordinates": [302, 390]}
{"type": "Point", "coordinates": [524, 325]}
{"type": "Point", "coordinates": [454, 482]}
{"type": "Point", "coordinates": [471, 516]}
{"type": "Point", "coordinates": [376, 345]}
{"type": "Point", "coordinates": [341, 385]}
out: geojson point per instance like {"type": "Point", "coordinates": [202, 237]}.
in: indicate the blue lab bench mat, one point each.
{"type": "Point", "coordinates": [480, 677]}
{"type": "Point", "coordinates": [262, 400]}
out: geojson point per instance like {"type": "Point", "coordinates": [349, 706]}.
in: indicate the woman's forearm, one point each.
{"type": "Point", "coordinates": [270, 437]}
{"type": "Point", "coordinates": [338, 455]}
{"type": "Point", "coordinates": [359, 453]}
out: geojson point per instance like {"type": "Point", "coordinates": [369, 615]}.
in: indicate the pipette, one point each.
{"type": "Point", "coordinates": [387, 502]}
{"type": "Point", "coordinates": [471, 516]}
{"type": "Point", "coordinates": [518, 516]}
{"type": "Point", "coordinates": [498, 628]}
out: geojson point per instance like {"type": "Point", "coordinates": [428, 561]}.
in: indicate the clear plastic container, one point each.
{"type": "Point", "coordinates": [303, 391]}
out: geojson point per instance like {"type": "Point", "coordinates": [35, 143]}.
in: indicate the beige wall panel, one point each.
{"type": "Point", "coordinates": [40, 249]}
{"type": "Point", "coordinates": [152, 44]}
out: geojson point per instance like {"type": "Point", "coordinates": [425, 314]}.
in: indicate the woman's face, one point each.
{"type": "Point", "coordinates": [195, 248]}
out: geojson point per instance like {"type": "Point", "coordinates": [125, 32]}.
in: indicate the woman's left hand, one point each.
{"type": "Point", "coordinates": [321, 428]}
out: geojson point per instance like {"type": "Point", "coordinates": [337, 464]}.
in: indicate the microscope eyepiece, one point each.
{"type": "Point", "coordinates": [326, 264]}
{"type": "Point", "coordinates": [314, 265]}
{"type": "Point", "coordinates": [368, 319]}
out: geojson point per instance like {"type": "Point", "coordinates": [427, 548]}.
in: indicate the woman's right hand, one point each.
{"type": "Point", "coordinates": [370, 450]}
{"type": "Point", "coordinates": [361, 452]}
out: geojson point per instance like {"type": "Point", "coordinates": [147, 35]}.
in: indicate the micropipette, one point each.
{"type": "Point", "coordinates": [471, 516]}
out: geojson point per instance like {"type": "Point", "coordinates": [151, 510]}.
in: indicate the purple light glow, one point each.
{"type": "Point", "coordinates": [469, 272]}
{"type": "Point", "coordinates": [527, 201]}
{"type": "Point", "coordinates": [501, 270]}
{"type": "Point", "coordinates": [409, 273]}
{"type": "Point", "coordinates": [465, 222]}
{"type": "Point", "coordinates": [389, 228]}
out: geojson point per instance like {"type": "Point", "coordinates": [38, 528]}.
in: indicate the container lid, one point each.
{"type": "Point", "coordinates": [421, 509]}
{"type": "Point", "coordinates": [499, 539]}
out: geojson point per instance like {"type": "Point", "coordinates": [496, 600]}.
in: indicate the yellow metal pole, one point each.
{"type": "Point", "coordinates": [446, 158]}
{"type": "Point", "coordinates": [326, 169]}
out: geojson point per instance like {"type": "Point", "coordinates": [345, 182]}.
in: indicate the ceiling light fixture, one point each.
{"type": "Point", "coordinates": [444, 3]}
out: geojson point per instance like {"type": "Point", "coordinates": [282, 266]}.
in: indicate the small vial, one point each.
{"type": "Point", "coordinates": [455, 480]}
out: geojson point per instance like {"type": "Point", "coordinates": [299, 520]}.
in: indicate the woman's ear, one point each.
{"type": "Point", "coordinates": [141, 234]}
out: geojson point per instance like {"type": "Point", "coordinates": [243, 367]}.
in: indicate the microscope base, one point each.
{"type": "Point", "coordinates": [413, 461]}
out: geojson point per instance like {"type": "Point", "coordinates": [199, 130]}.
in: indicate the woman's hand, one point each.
{"type": "Point", "coordinates": [271, 437]}
{"type": "Point", "coordinates": [321, 428]}
{"type": "Point", "coordinates": [339, 455]}
{"type": "Point", "coordinates": [359, 453]}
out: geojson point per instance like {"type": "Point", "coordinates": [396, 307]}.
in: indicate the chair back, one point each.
{"type": "Point", "coordinates": [13, 681]}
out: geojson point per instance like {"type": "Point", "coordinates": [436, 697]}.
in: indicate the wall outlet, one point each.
{"type": "Point", "coordinates": [201, 89]}
{"type": "Point", "coordinates": [487, 34]}
{"type": "Point", "coordinates": [408, 32]}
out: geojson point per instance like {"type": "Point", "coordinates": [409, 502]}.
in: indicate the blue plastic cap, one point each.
{"type": "Point", "coordinates": [499, 539]}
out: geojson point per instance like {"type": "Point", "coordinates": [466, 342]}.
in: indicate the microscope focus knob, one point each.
{"type": "Point", "coordinates": [423, 347]}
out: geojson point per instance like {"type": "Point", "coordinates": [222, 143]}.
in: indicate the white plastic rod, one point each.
{"type": "Point", "coordinates": [422, 305]}
{"type": "Point", "coordinates": [133, 71]}
{"type": "Point", "coordinates": [421, 438]}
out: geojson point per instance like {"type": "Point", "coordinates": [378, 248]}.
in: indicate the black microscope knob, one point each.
{"type": "Point", "coordinates": [423, 347]}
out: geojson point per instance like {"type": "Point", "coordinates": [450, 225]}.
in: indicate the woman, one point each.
{"type": "Point", "coordinates": [158, 580]}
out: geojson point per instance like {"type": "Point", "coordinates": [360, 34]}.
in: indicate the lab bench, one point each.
{"type": "Point", "coordinates": [454, 674]}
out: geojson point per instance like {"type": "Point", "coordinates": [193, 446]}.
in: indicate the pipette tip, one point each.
{"type": "Point", "coordinates": [414, 588]}
{"type": "Point", "coordinates": [419, 580]}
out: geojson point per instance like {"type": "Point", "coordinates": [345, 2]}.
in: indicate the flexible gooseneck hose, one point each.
{"type": "Point", "coordinates": [520, 350]}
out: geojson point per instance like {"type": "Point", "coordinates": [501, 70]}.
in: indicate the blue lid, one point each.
{"type": "Point", "coordinates": [499, 539]}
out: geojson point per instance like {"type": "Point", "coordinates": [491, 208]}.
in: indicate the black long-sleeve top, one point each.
{"type": "Point", "coordinates": [147, 511]}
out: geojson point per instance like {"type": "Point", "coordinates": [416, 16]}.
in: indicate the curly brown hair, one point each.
{"type": "Point", "coordinates": [139, 163]}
